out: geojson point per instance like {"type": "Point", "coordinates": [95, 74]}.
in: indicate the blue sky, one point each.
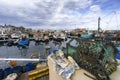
{"type": "Point", "coordinates": [60, 14]}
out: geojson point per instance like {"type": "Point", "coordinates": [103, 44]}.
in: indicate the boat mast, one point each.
{"type": "Point", "coordinates": [99, 25]}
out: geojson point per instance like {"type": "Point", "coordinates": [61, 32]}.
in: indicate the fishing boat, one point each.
{"type": "Point", "coordinates": [86, 35]}
{"type": "Point", "coordinates": [15, 36]}
{"type": "Point", "coordinates": [3, 37]}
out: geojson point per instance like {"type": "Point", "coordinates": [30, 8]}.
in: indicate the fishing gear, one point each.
{"type": "Point", "coordinates": [95, 56]}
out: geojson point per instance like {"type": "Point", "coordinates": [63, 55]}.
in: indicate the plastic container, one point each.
{"type": "Point", "coordinates": [55, 51]}
{"type": "Point", "coordinates": [17, 69]}
{"type": "Point", "coordinates": [1, 74]}
{"type": "Point", "coordinates": [118, 56]}
{"type": "Point", "coordinates": [12, 76]}
{"type": "Point", "coordinates": [7, 71]}
{"type": "Point", "coordinates": [29, 67]}
{"type": "Point", "coordinates": [118, 48]}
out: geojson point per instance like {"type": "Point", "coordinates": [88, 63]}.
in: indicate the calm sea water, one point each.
{"type": "Point", "coordinates": [14, 52]}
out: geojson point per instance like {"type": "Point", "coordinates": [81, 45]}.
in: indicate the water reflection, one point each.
{"type": "Point", "coordinates": [14, 52]}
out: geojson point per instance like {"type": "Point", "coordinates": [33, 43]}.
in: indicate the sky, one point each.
{"type": "Point", "coordinates": [61, 14]}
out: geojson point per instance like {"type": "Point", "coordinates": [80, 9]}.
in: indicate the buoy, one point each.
{"type": "Point", "coordinates": [13, 63]}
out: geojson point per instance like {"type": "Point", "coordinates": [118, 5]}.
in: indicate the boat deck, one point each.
{"type": "Point", "coordinates": [24, 76]}
{"type": "Point", "coordinates": [39, 71]}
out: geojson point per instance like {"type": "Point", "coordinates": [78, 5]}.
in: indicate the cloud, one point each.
{"type": "Point", "coordinates": [55, 14]}
{"type": "Point", "coordinates": [95, 8]}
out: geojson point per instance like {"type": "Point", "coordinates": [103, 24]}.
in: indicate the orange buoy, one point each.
{"type": "Point", "coordinates": [13, 63]}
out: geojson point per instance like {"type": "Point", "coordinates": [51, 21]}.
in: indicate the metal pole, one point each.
{"type": "Point", "coordinates": [99, 25]}
{"type": "Point", "coordinates": [21, 59]}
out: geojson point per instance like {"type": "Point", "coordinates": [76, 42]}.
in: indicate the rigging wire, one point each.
{"type": "Point", "coordinates": [117, 20]}
{"type": "Point", "coordinates": [108, 14]}
{"type": "Point", "coordinates": [113, 14]}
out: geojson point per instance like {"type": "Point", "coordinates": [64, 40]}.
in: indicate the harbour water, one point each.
{"type": "Point", "coordinates": [14, 52]}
